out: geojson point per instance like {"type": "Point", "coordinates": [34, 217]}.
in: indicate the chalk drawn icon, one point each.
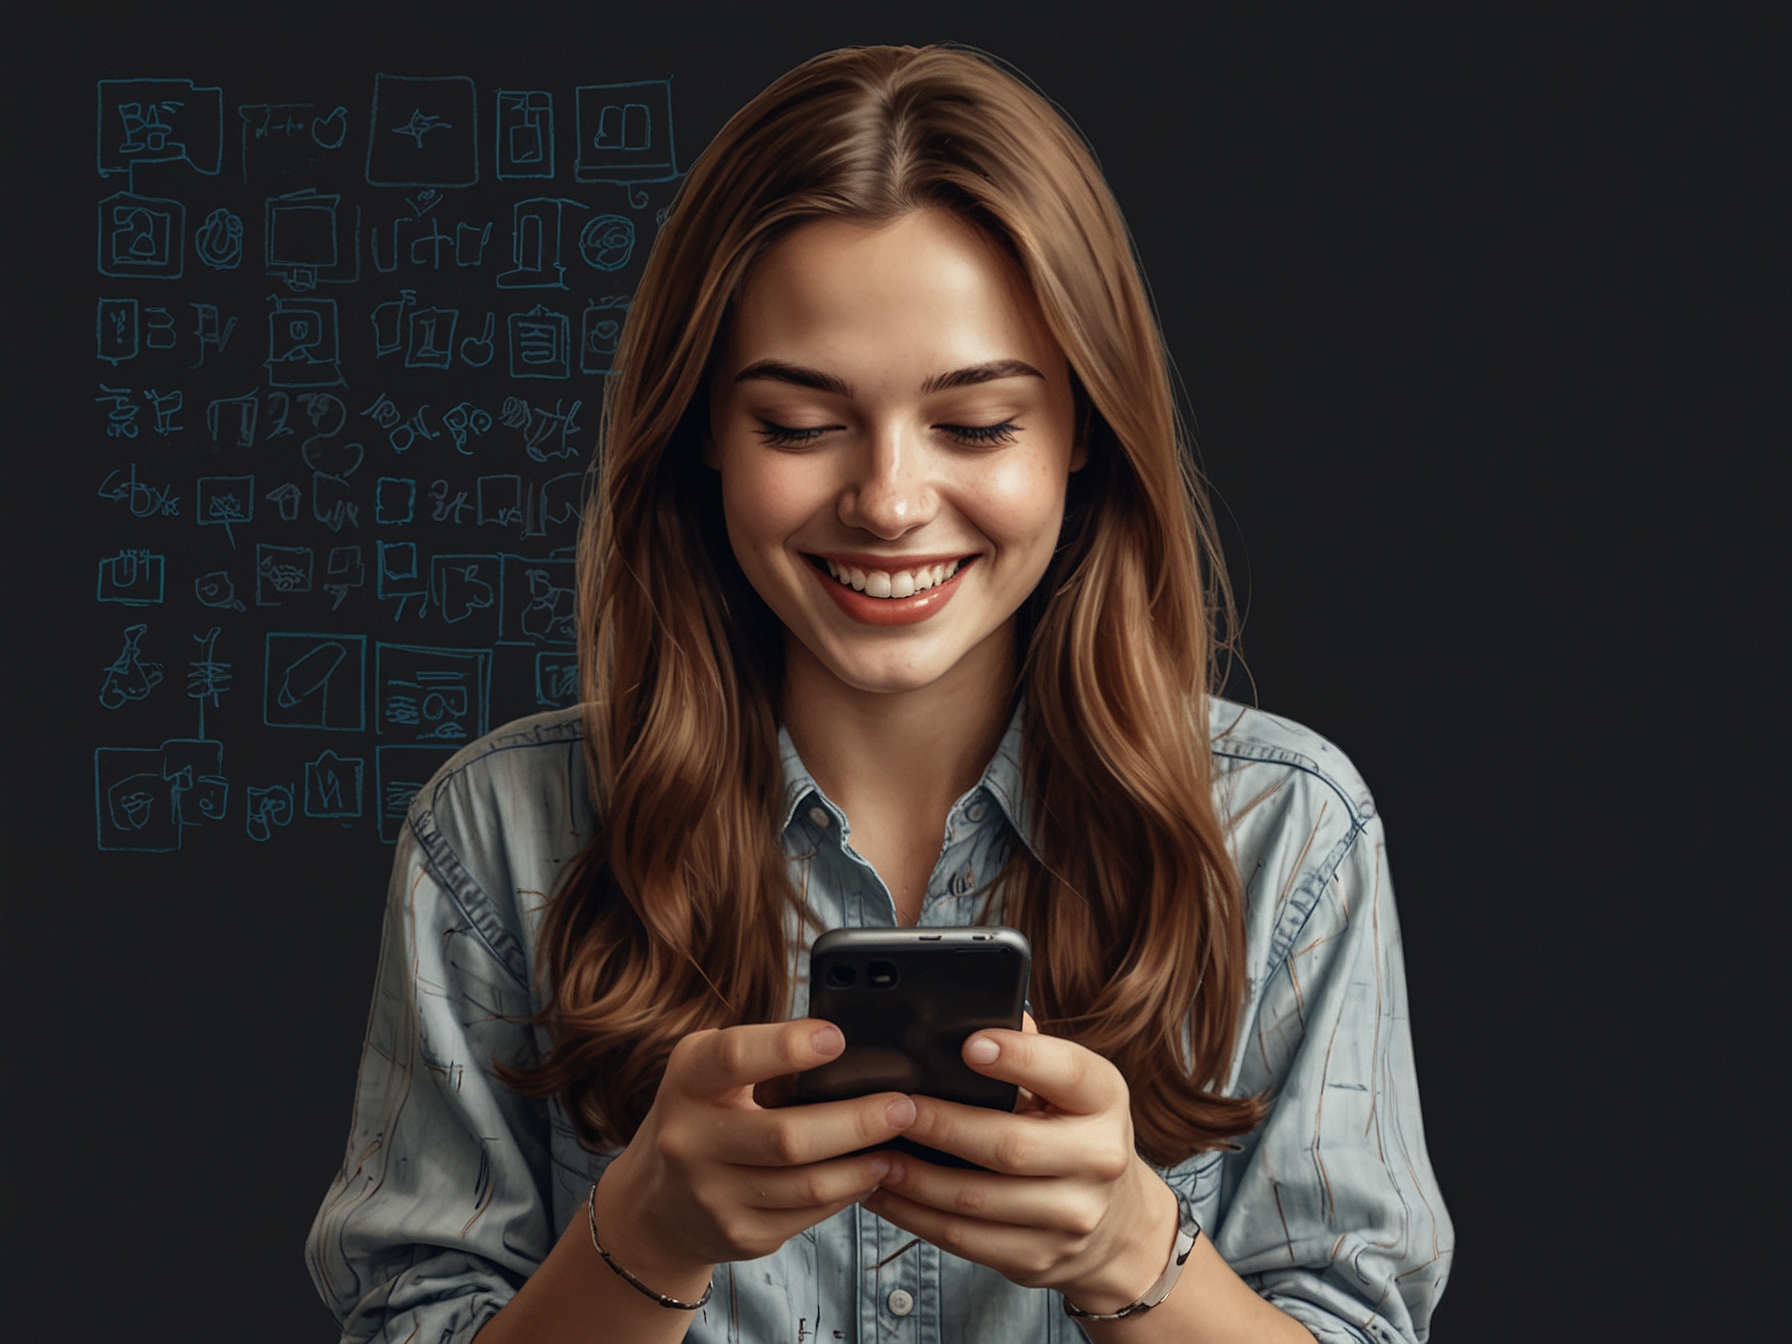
{"type": "Point", "coordinates": [500, 501]}
{"type": "Point", "coordinates": [303, 350]}
{"type": "Point", "coordinates": [330, 502]}
{"type": "Point", "coordinates": [535, 244]}
{"type": "Point", "coordinates": [218, 242]}
{"type": "Point", "coordinates": [343, 570]}
{"type": "Point", "coordinates": [145, 797]}
{"type": "Point", "coordinates": [525, 122]}
{"type": "Point", "coordinates": [233, 418]}
{"type": "Point", "coordinates": [286, 499]}
{"type": "Point", "coordinates": [212, 329]}
{"type": "Point", "coordinates": [129, 676]}
{"type": "Point", "coordinates": [423, 132]}
{"type": "Point", "coordinates": [164, 406]}
{"type": "Point", "coordinates": [315, 681]}
{"type": "Point", "coordinates": [142, 237]}
{"type": "Point", "coordinates": [607, 242]}
{"type": "Point", "coordinates": [400, 774]}
{"type": "Point", "coordinates": [217, 590]}
{"type": "Point", "coordinates": [394, 500]}
{"type": "Point", "coordinates": [225, 501]}
{"type": "Point", "coordinates": [466, 421]}
{"type": "Point", "coordinates": [429, 337]}
{"type": "Point", "coordinates": [333, 785]}
{"type": "Point", "coordinates": [430, 694]}
{"type": "Point", "coordinates": [462, 586]}
{"type": "Point", "coordinates": [121, 412]}
{"type": "Point", "coordinates": [540, 344]}
{"type": "Point", "coordinates": [625, 133]}
{"type": "Point", "coordinates": [562, 500]}
{"type": "Point", "coordinates": [331, 129]}
{"type": "Point", "coordinates": [600, 329]}
{"type": "Point", "coordinates": [556, 680]}
{"type": "Point", "coordinates": [388, 324]}
{"type": "Point", "coordinates": [265, 808]}
{"type": "Point", "coordinates": [208, 676]}
{"type": "Point", "coordinates": [143, 499]}
{"type": "Point", "coordinates": [160, 121]}
{"type": "Point", "coordinates": [540, 606]}
{"type": "Point", "coordinates": [115, 330]}
{"type": "Point", "coordinates": [447, 505]}
{"type": "Point", "coordinates": [132, 578]}
{"type": "Point", "coordinates": [311, 239]}
{"type": "Point", "coordinates": [477, 351]}
{"type": "Point", "coordinates": [399, 576]}
{"type": "Point", "coordinates": [158, 329]}
{"type": "Point", "coordinates": [547, 435]}
{"type": "Point", "coordinates": [282, 572]}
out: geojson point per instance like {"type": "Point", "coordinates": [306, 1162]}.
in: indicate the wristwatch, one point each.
{"type": "Point", "coordinates": [1188, 1232]}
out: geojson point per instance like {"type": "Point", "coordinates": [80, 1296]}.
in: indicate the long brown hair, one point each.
{"type": "Point", "coordinates": [675, 915]}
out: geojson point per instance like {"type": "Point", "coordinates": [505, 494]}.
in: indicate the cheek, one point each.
{"type": "Point", "coordinates": [1020, 506]}
{"type": "Point", "coordinates": [763, 505]}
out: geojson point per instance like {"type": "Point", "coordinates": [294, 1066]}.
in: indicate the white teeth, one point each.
{"type": "Point", "coordinates": [902, 583]}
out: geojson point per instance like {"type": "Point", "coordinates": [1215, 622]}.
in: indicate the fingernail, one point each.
{"type": "Point", "coordinates": [827, 1040]}
{"type": "Point", "coordinates": [895, 1173]}
{"type": "Point", "coordinates": [900, 1112]}
{"type": "Point", "coordinates": [981, 1050]}
{"type": "Point", "coordinates": [880, 1170]}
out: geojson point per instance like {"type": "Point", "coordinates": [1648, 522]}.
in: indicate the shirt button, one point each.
{"type": "Point", "coordinates": [819, 815]}
{"type": "Point", "coordinates": [975, 811]}
{"type": "Point", "coordinates": [963, 880]}
{"type": "Point", "coordinates": [901, 1302]}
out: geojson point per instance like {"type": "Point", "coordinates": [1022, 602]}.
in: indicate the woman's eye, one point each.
{"type": "Point", "coordinates": [784, 436]}
{"type": "Point", "coordinates": [982, 434]}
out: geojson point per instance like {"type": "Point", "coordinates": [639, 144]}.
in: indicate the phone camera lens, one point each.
{"type": "Point", "coordinates": [841, 975]}
{"type": "Point", "coordinates": [882, 975]}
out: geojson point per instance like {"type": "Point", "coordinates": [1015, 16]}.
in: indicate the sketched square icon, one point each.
{"type": "Point", "coordinates": [315, 681]}
{"type": "Point", "coordinates": [423, 132]}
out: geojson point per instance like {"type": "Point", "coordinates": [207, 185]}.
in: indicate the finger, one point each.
{"type": "Point", "coordinates": [794, 1136]}
{"type": "Point", "coordinates": [1028, 1025]}
{"type": "Point", "coordinates": [1024, 1143]}
{"type": "Point", "coordinates": [1017, 1252]}
{"type": "Point", "coordinates": [1047, 1202]}
{"type": "Point", "coordinates": [818, 1185]}
{"type": "Point", "coordinates": [715, 1062]}
{"type": "Point", "coordinates": [1073, 1079]}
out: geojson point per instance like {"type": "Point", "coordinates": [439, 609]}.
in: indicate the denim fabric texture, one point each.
{"type": "Point", "coordinates": [453, 1189]}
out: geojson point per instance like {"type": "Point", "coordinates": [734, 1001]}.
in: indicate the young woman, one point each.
{"type": "Point", "coordinates": [899, 606]}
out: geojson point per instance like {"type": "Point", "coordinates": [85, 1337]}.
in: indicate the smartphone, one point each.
{"type": "Point", "coordinates": [905, 999]}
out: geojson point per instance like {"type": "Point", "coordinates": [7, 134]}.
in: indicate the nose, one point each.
{"type": "Point", "coordinates": [889, 491]}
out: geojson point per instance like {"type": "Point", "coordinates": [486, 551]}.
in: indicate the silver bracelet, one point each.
{"type": "Point", "coordinates": [633, 1282]}
{"type": "Point", "coordinates": [1188, 1231]}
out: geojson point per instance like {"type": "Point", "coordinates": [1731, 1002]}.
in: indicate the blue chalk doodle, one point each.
{"type": "Point", "coordinates": [535, 244]}
{"type": "Point", "coordinates": [388, 320]}
{"type": "Point", "coordinates": [143, 500]}
{"type": "Point", "coordinates": [115, 330]}
{"type": "Point", "coordinates": [225, 501]}
{"type": "Point", "coordinates": [282, 572]}
{"type": "Point", "coordinates": [431, 694]}
{"type": "Point", "coordinates": [525, 125]}
{"type": "Point", "coordinates": [343, 570]}
{"type": "Point", "coordinates": [540, 604]}
{"type": "Point", "coordinates": [311, 240]}
{"type": "Point", "coordinates": [429, 337]}
{"type": "Point", "coordinates": [208, 676]}
{"type": "Point", "coordinates": [607, 242]}
{"type": "Point", "coordinates": [400, 576]}
{"type": "Point", "coordinates": [218, 242]}
{"type": "Point", "coordinates": [477, 351]}
{"type": "Point", "coordinates": [447, 504]}
{"type": "Point", "coordinates": [146, 797]}
{"type": "Point", "coordinates": [333, 786]}
{"type": "Point", "coordinates": [394, 500]}
{"type": "Point", "coordinates": [547, 435]}
{"type": "Point", "coordinates": [500, 501]}
{"type": "Point", "coordinates": [158, 329]}
{"type": "Point", "coordinates": [315, 681]}
{"type": "Point", "coordinates": [160, 121]}
{"type": "Point", "coordinates": [466, 421]}
{"type": "Point", "coordinates": [462, 586]}
{"type": "Point", "coordinates": [132, 578]}
{"type": "Point", "coordinates": [121, 413]}
{"type": "Point", "coordinates": [600, 330]}
{"type": "Point", "coordinates": [562, 500]}
{"type": "Point", "coordinates": [266, 807]}
{"type": "Point", "coordinates": [213, 331]}
{"type": "Point", "coordinates": [400, 773]}
{"type": "Point", "coordinates": [556, 680]}
{"type": "Point", "coordinates": [286, 499]}
{"type": "Point", "coordinates": [423, 132]}
{"type": "Point", "coordinates": [331, 129]}
{"type": "Point", "coordinates": [164, 406]}
{"type": "Point", "coordinates": [233, 417]}
{"type": "Point", "coordinates": [129, 677]}
{"type": "Point", "coordinates": [540, 344]}
{"type": "Point", "coordinates": [142, 237]}
{"type": "Point", "coordinates": [303, 349]}
{"type": "Point", "coordinates": [625, 133]}
{"type": "Point", "coordinates": [217, 590]}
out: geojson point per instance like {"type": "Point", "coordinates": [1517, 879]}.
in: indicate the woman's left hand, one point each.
{"type": "Point", "coordinates": [1066, 1202]}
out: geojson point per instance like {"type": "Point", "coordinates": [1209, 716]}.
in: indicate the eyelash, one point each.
{"type": "Point", "coordinates": [785, 436]}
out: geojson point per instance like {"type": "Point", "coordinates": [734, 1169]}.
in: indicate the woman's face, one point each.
{"type": "Point", "coordinates": [894, 427]}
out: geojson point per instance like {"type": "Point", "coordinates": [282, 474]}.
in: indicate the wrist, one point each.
{"type": "Point", "coordinates": [1134, 1261]}
{"type": "Point", "coordinates": [622, 1206]}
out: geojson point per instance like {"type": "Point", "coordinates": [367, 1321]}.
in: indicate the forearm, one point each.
{"type": "Point", "coordinates": [1209, 1305]}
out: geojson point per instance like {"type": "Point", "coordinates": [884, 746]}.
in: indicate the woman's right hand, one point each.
{"type": "Point", "coordinates": [712, 1175]}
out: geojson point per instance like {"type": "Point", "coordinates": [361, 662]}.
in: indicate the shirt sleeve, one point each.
{"type": "Point", "coordinates": [441, 1208]}
{"type": "Point", "coordinates": [1331, 1210]}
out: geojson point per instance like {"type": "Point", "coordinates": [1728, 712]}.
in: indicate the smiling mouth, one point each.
{"type": "Point", "coordinates": [889, 584]}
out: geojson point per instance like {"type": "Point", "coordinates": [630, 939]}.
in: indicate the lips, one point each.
{"type": "Point", "coordinates": [854, 581]}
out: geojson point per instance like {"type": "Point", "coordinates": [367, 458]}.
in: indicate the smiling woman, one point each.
{"type": "Point", "coordinates": [899, 606]}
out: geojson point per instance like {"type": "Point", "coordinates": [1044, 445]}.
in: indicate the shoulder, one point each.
{"type": "Point", "coordinates": [497, 821]}
{"type": "Point", "coordinates": [1296, 812]}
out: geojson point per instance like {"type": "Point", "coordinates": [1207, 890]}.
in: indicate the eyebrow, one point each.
{"type": "Point", "coordinates": [775, 370]}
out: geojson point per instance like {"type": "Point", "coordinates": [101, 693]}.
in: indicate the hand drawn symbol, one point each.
{"type": "Point", "coordinates": [562, 499]}
{"type": "Point", "coordinates": [315, 681]}
{"type": "Point", "coordinates": [401, 774]}
{"type": "Point", "coordinates": [330, 503]}
{"type": "Point", "coordinates": [329, 132]}
{"type": "Point", "coordinates": [115, 330]}
{"type": "Point", "coordinates": [540, 344]}
{"type": "Point", "coordinates": [402, 433]}
{"type": "Point", "coordinates": [225, 501]}
{"type": "Point", "coordinates": [525, 134]}
{"type": "Point", "coordinates": [213, 333]}
{"type": "Point", "coordinates": [430, 344]}
{"type": "Point", "coordinates": [333, 785]}
{"type": "Point", "coordinates": [279, 410]}
{"type": "Point", "coordinates": [160, 121]}
{"type": "Point", "coordinates": [121, 419]}
{"type": "Point", "coordinates": [286, 499]}
{"type": "Point", "coordinates": [432, 695]}
{"type": "Point", "coordinates": [556, 680]}
{"type": "Point", "coordinates": [423, 132]}
{"type": "Point", "coordinates": [219, 241]}
{"type": "Point", "coordinates": [400, 577]}
{"type": "Point", "coordinates": [477, 351]}
{"type": "Point", "coordinates": [282, 572]}
{"type": "Point", "coordinates": [128, 677]}
{"type": "Point", "coordinates": [449, 503]}
{"type": "Point", "coordinates": [343, 571]}
{"type": "Point", "coordinates": [302, 344]}
{"type": "Point", "coordinates": [132, 578]}
{"type": "Point", "coordinates": [216, 590]}
{"type": "Point", "coordinates": [144, 798]}
{"type": "Point", "coordinates": [547, 435]}
{"type": "Point", "coordinates": [500, 501]}
{"type": "Point", "coordinates": [144, 500]}
{"type": "Point", "coordinates": [308, 240]}
{"type": "Point", "coordinates": [535, 245]}
{"type": "Point", "coordinates": [463, 584]}
{"type": "Point", "coordinates": [625, 132]}
{"type": "Point", "coordinates": [165, 405]}
{"type": "Point", "coordinates": [242, 412]}
{"type": "Point", "coordinates": [274, 125]}
{"type": "Point", "coordinates": [394, 500]}
{"type": "Point", "coordinates": [142, 237]}
{"type": "Point", "coordinates": [607, 242]}
{"type": "Point", "coordinates": [388, 324]}
{"type": "Point", "coordinates": [466, 421]}
{"type": "Point", "coordinates": [267, 808]}
{"type": "Point", "coordinates": [600, 328]}
{"type": "Point", "coordinates": [158, 329]}
{"type": "Point", "coordinates": [550, 616]}
{"type": "Point", "coordinates": [208, 676]}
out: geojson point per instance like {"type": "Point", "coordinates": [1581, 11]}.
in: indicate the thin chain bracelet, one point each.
{"type": "Point", "coordinates": [633, 1282]}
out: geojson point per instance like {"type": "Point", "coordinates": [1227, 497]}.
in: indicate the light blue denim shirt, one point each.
{"type": "Point", "coordinates": [453, 1188]}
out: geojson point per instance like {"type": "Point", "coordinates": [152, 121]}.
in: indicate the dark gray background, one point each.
{"type": "Point", "coordinates": [1486, 356]}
